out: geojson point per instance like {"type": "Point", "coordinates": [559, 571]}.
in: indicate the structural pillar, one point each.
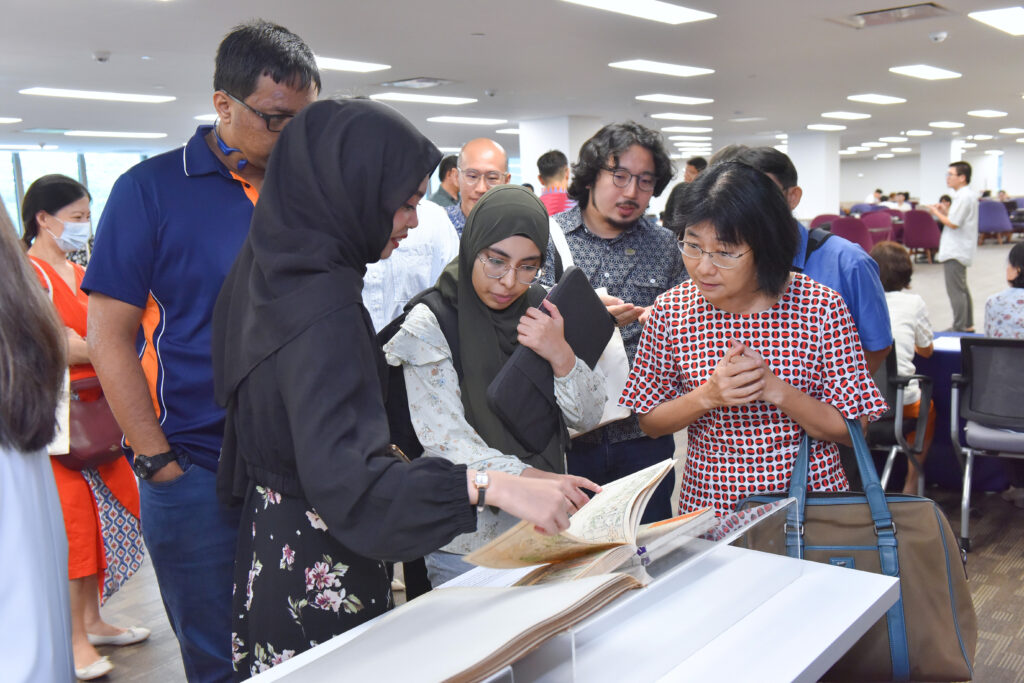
{"type": "Point", "coordinates": [565, 133]}
{"type": "Point", "coordinates": [816, 157]}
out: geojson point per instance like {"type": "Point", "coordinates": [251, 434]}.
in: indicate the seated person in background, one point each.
{"type": "Point", "coordinates": [875, 197]}
{"type": "Point", "coordinates": [492, 288]}
{"type": "Point", "coordinates": [1004, 311]}
{"type": "Point", "coordinates": [1003, 197]}
{"type": "Point", "coordinates": [898, 201]}
{"type": "Point", "coordinates": [912, 332]}
{"type": "Point", "coordinates": [746, 354]}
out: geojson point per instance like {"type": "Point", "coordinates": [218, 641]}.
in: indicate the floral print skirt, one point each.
{"type": "Point", "coordinates": [295, 585]}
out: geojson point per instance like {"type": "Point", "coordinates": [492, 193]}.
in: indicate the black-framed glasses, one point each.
{"type": "Point", "coordinates": [719, 259]}
{"type": "Point", "coordinates": [473, 177]}
{"type": "Point", "coordinates": [275, 122]}
{"type": "Point", "coordinates": [496, 268]}
{"type": "Point", "coordinates": [621, 177]}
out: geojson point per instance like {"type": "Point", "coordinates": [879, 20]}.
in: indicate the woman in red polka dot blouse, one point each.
{"type": "Point", "coordinates": [746, 354]}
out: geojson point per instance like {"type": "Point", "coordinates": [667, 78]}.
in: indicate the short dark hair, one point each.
{"type": "Point", "coordinates": [744, 206]}
{"type": "Point", "coordinates": [49, 193]}
{"type": "Point", "coordinates": [946, 198]}
{"type": "Point", "coordinates": [1016, 259]}
{"type": "Point", "coordinates": [551, 164]}
{"type": "Point", "coordinates": [699, 163]}
{"type": "Point", "coordinates": [611, 141]}
{"type": "Point", "coordinates": [894, 265]}
{"type": "Point", "coordinates": [962, 168]}
{"type": "Point", "coordinates": [772, 161]}
{"type": "Point", "coordinates": [260, 48]}
{"type": "Point", "coordinates": [447, 164]}
{"type": "Point", "coordinates": [528, 186]}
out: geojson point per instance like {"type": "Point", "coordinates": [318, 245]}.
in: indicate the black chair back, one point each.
{"type": "Point", "coordinates": [994, 389]}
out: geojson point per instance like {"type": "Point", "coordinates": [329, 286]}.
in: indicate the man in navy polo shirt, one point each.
{"type": "Point", "coordinates": [170, 232]}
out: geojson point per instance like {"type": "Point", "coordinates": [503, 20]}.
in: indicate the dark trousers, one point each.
{"type": "Point", "coordinates": [605, 462]}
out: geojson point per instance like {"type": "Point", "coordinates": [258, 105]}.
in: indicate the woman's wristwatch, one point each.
{"type": "Point", "coordinates": [481, 482]}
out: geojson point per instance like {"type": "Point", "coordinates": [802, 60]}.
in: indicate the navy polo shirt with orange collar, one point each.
{"type": "Point", "coordinates": [167, 238]}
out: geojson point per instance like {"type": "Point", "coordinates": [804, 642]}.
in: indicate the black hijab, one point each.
{"type": "Point", "coordinates": [488, 337]}
{"type": "Point", "coordinates": [337, 175]}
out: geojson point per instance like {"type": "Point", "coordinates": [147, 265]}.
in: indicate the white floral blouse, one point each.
{"type": "Point", "coordinates": [435, 406]}
{"type": "Point", "coordinates": [1004, 314]}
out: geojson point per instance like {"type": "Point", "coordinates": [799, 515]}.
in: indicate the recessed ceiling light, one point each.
{"type": "Point", "coordinates": [1011, 131]}
{"type": "Point", "coordinates": [28, 148]}
{"type": "Point", "coordinates": [701, 138]}
{"type": "Point", "coordinates": [672, 116]}
{"type": "Point", "coordinates": [11, 119]}
{"type": "Point", "coordinates": [994, 152]}
{"type": "Point", "coordinates": [946, 124]}
{"type": "Point", "coordinates": [674, 99]}
{"type": "Point", "coordinates": [987, 113]}
{"type": "Point", "coordinates": [872, 98]}
{"type": "Point", "coordinates": [846, 152]}
{"type": "Point", "coordinates": [112, 134]}
{"type": "Point", "coordinates": [416, 83]}
{"type": "Point", "coordinates": [205, 117]}
{"type": "Point", "coordinates": [1008, 19]}
{"type": "Point", "coordinates": [468, 120]}
{"type": "Point", "coordinates": [648, 9]}
{"type": "Point", "coordinates": [825, 126]}
{"type": "Point", "coordinates": [884, 156]}
{"type": "Point", "coordinates": [686, 129]}
{"type": "Point", "coordinates": [921, 133]}
{"type": "Point", "coordinates": [747, 119]}
{"type": "Point", "coordinates": [845, 115]}
{"type": "Point", "coordinates": [1021, 140]}
{"type": "Point", "coordinates": [981, 137]}
{"type": "Point", "coordinates": [901, 150]}
{"type": "Point", "coordinates": [449, 150]}
{"type": "Point", "coordinates": [98, 95]}
{"type": "Point", "coordinates": [663, 68]}
{"type": "Point", "coordinates": [893, 138]}
{"type": "Point", "coordinates": [873, 144]}
{"type": "Point", "coordinates": [782, 136]}
{"type": "Point", "coordinates": [333, 64]}
{"type": "Point", "coordinates": [508, 131]}
{"type": "Point", "coordinates": [968, 145]}
{"type": "Point", "coordinates": [860, 149]}
{"type": "Point", "coordinates": [928, 73]}
{"type": "Point", "coordinates": [423, 99]}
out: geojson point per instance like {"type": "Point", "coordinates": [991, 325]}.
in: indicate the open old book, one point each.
{"type": "Point", "coordinates": [602, 536]}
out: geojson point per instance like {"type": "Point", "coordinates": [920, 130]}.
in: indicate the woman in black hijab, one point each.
{"type": "Point", "coordinates": [297, 366]}
{"type": "Point", "coordinates": [490, 287]}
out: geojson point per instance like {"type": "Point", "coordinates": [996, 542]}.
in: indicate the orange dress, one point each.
{"type": "Point", "coordinates": [101, 505]}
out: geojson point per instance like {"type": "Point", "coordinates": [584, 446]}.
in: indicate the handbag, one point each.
{"type": "Point", "coordinates": [95, 434]}
{"type": "Point", "coordinates": [931, 632]}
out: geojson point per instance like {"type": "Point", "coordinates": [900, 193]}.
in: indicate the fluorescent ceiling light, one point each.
{"type": "Point", "coordinates": [1011, 131]}
{"type": "Point", "coordinates": [921, 133]}
{"type": "Point", "coordinates": [928, 73]}
{"type": "Point", "coordinates": [884, 156]}
{"type": "Point", "coordinates": [28, 148]}
{"type": "Point", "coordinates": [654, 10]}
{"type": "Point", "coordinates": [901, 150]}
{"type": "Point", "coordinates": [747, 119]}
{"type": "Point", "coordinates": [672, 116]}
{"type": "Point", "coordinates": [12, 119]}
{"type": "Point", "coordinates": [981, 137]}
{"type": "Point", "coordinates": [1008, 19]}
{"type": "Point", "coordinates": [112, 134]}
{"type": "Point", "coordinates": [860, 148]}
{"type": "Point", "coordinates": [468, 120]}
{"type": "Point", "coordinates": [205, 117]}
{"type": "Point", "coordinates": [946, 124]}
{"type": "Point", "coordinates": [987, 113]}
{"type": "Point", "coordinates": [674, 99]}
{"type": "Point", "coordinates": [1021, 140]}
{"type": "Point", "coordinates": [994, 152]}
{"type": "Point", "coordinates": [873, 144]}
{"type": "Point", "coordinates": [701, 138]}
{"type": "Point", "coordinates": [782, 136]}
{"type": "Point", "coordinates": [968, 145]}
{"type": "Point", "coordinates": [424, 99]}
{"type": "Point", "coordinates": [846, 152]}
{"type": "Point", "coordinates": [98, 95]}
{"type": "Point", "coordinates": [663, 68]}
{"type": "Point", "coordinates": [872, 98]}
{"type": "Point", "coordinates": [508, 131]}
{"type": "Point", "coordinates": [449, 150]}
{"type": "Point", "coordinates": [893, 138]}
{"type": "Point", "coordinates": [686, 129]}
{"type": "Point", "coordinates": [333, 64]}
{"type": "Point", "coordinates": [825, 126]}
{"type": "Point", "coordinates": [845, 115]}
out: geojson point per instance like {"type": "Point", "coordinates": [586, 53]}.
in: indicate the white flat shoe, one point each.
{"type": "Point", "coordinates": [129, 636]}
{"type": "Point", "coordinates": [101, 667]}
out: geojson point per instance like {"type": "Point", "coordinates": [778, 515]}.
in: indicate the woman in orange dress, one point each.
{"type": "Point", "coordinates": [100, 505]}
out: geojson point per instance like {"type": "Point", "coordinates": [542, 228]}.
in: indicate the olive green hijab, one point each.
{"type": "Point", "coordinates": [488, 337]}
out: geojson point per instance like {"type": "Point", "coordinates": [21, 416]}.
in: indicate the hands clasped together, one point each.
{"type": "Point", "coordinates": [741, 377]}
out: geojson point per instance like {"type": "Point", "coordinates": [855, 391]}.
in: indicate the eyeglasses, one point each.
{"type": "Point", "coordinates": [473, 177]}
{"type": "Point", "coordinates": [275, 122]}
{"type": "Point", "coordinates": [719, 259]}
{"type": "Point", "coordinates": [621, 177]}
{"type": "Point", "coordinates": [496, 268]}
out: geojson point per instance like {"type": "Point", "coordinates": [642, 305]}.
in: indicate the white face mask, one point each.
{"type": "Point", "coordinates": [74, 237]}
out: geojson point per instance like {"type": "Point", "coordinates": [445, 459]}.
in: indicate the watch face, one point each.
{"type": "Point", "coordinates": [141, 467]}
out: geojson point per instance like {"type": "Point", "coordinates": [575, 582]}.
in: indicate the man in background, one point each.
{"type": "Point", "coordinates": [448, 193]}
{"type": "Point", "coordinates": [482, 165]}
{"type": "Point", "coordinates": [694, 167]}
{"type": "Point", "coordinates": [554, 176]}
{"type": "Point", "coordinates": [958, 243]}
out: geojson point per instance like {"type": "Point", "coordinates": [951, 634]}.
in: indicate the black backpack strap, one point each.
{"type": "Point", "coordinates": [815, 238]}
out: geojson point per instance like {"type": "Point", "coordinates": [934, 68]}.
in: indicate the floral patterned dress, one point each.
{"type": "Point", "coordinates": [311, 587]}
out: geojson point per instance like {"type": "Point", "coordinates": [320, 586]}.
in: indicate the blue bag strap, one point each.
{"type": "Point", "coordinates": [798, 490]}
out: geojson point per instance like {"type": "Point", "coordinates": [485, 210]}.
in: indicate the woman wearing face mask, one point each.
{"type": "Point", "coordinates": [100, 505]}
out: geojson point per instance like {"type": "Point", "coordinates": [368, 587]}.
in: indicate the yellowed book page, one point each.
{"type": "Point", "coordinates": [610, 517]}
{"type": "Point", "coordinates": [699, 520]}
{"type": "Point", "coordinates": [588, 565]}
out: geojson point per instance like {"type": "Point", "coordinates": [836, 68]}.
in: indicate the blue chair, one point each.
{"type": "Point", "coordinates": [993, 221]}
{"type": "Point", "coordinates": [989, 394]}
{"type": "Point", "coordinates": [863, 208]}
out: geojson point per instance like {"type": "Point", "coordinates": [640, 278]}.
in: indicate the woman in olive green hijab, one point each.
{"type": "Point", "coordinates": [491, 286]}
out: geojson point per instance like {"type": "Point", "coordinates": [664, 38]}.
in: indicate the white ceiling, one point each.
{"type": "Point", "coordinates": [784, 60]}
